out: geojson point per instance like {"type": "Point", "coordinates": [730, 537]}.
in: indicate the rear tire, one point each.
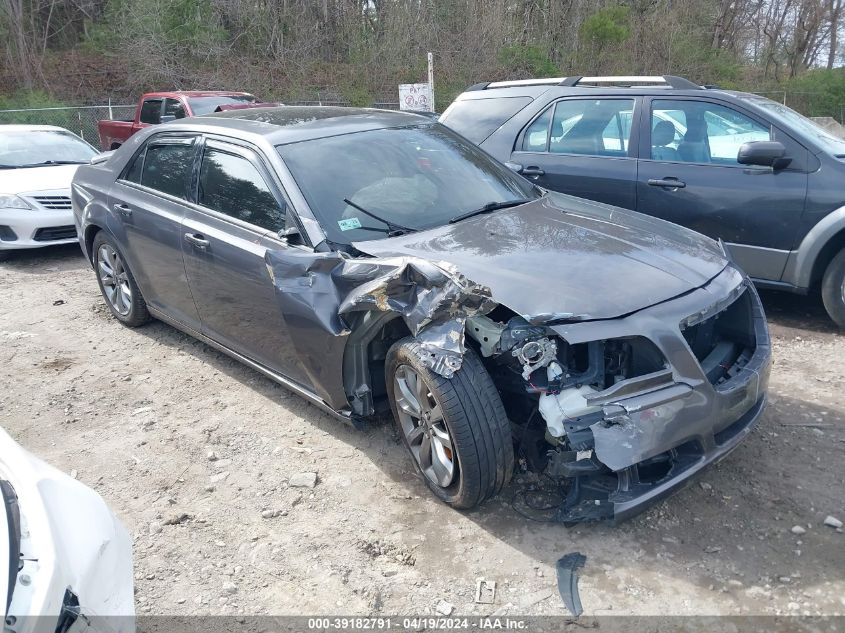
{"type": "Point", "coordinates": [117, 284]}
{"type": "Point", "coordinates": [833, 289]}
{"type": "Point", "coordinates": [464, 412]}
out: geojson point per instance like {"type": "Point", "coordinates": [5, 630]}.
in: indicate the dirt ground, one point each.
{"type": "Point", "coordinates": [136, 413]}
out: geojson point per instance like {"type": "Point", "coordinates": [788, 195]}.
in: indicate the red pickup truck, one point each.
{"type": "Point", "coordinates": [160, 107]}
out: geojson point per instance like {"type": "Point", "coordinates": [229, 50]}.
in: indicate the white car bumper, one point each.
{"type": "Point", "coordinates": [49, 222]}
{"type": "Point", "coordinates": [75, 563]}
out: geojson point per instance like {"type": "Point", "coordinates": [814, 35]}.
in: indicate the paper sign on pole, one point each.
{"type": "Point", "coordinates": [416, 97]}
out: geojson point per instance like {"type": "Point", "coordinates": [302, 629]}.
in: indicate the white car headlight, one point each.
{"type": "Point", "coordinates": [10, 201]}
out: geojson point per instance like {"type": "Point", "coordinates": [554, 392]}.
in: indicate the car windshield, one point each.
{"type": "Point", "coordinates": [207, 105]}
{"type": "Point", "coordinates": [411, 178]}
{"type": "Point", "coordinates": [791, 119]}
{"type": "Point", "coordinates": [32, 148]}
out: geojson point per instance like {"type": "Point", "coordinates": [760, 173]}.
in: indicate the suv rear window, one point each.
{"type": "Point", "coordinates": [476, 119]}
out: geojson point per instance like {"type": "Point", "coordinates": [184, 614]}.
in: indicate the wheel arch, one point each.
{"type": "Point", "coordinates": [373, 332]}
{"type": "Point", "coordinates": [807, 263]}
{"type": "Point", "coordinates": [90, 233]}
{"type": "Point", "coordinates": [835, 244]}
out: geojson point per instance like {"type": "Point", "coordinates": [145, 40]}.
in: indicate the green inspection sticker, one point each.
{"type": "Point", "coordinates": [349, 223]}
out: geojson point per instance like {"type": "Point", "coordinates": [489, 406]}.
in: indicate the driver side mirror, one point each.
{"type": "Point", "coordinates": [288, 231]}
{"type": "Point", "coordinates": [291, 233]}
{"type": "Point", "coordinates": [515, 167]}
{"type": "Point", "coordinates": [763, 154]}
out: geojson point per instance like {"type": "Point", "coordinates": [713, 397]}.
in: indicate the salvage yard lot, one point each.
{"type": "Point", "coordinates": [195, 453]}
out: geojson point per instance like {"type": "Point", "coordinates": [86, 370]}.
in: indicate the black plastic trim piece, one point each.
{"type": "Point", "coordinates": [13, 514]}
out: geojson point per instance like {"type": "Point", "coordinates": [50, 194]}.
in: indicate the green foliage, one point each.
{"type": "Point", "coordinates": [357, 95]}
{"type": "Point", "coordinates": [818, 92]}
{"type": "Point", "coordinates": [24, 100]}
{"type": "Point", "coordinates": [607, 26]}
{"type": "Point", "coordinates": [691, 58]}
{"type": "Point", "coordinates": [530, 61]}
{"type": "Point", "coordinates": [183, 27]}
{"type": "Point", "coordinates": [29, 99]}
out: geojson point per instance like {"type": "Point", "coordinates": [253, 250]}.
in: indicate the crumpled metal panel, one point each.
{"type": "Point", "coordinates": [434, 299]}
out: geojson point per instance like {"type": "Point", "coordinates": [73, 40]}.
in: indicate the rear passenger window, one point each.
{"type": "Point", "coordinates": [232, 185]}
{"type": "Point", "coordinates": [151, 111]}
{"type": "Point", "coordinates": [133, 174]}
{"type": "Point", "coordinates": [536, 137]}
{"type": "Point", "coordinates": [594, 127]}
{"type": "Point", "coordinates": [476, 119]}
{"type": "Point", "coordinates": [167, 167]}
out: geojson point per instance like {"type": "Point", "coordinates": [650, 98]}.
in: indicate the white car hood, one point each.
{"type": "Point", "coordinates": [69, 540]}
{"type": "Point", "coordinates": [47, 178]}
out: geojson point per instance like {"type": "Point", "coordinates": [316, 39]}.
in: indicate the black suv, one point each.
{"type": "Point", "coordinates": [735, 166]}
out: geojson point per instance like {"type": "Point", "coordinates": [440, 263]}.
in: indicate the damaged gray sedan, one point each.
{"type": "Point", "coordinates": [376, 262]}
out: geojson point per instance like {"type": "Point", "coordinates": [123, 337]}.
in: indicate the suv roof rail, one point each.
{"type": "Point", "coordinates": [549, 81]}
{"type": "Point", "coordinates": [667, 81]}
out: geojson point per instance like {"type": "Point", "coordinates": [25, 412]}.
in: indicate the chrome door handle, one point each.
{"type": "Point", "coordinates": [197, 240]}
{"type": "Point", "coordinates": [532, 171]}
{"type": "Point", "coordinates": [670, 183]}
{"type": "Point", "coordinates": [122, 209]}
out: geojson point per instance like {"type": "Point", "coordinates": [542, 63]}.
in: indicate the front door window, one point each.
{"type": "Point", "coordinates": [701, 132]}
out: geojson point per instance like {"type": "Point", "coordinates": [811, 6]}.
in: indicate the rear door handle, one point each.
{"type": "Point", "coordinates": [197, 240]}
{"type": "Point", "coordinates": [122, 209]}
{"type": "Point", "coordinates": [669, 183]}
{"type": "Point", "coordinates": [532, 171]}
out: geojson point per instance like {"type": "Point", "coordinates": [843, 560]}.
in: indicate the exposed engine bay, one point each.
{"type": "Point", "coordinates": [616, 412]}
{"type": "Point", "coordinates": [555, 392]}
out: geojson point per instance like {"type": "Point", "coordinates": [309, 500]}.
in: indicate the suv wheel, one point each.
{"type": "Point", "coordinates": [455, 428]}
{"type": "Point", "coordinates": [122, 295]}
{"type": "Point", "coordinates": [833, 289]}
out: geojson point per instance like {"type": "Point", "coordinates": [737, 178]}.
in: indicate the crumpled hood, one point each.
{"type": "Point", "coordinates": [47, 178]}
{"type": "Point", "coordinates": [564, 256]}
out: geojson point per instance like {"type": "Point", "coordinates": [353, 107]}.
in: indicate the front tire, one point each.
{"type": "Point", "coordinates": [118, 286]}
{"type": "Point", "coordinates": [833, 289]}
{"type": "Point", "coordinates": [455, 428]}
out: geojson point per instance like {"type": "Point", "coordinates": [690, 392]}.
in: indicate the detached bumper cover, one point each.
{"type": "Point", "coordinates": [655, 442]}
{"type": "Point", "coordinates": [75, 556]}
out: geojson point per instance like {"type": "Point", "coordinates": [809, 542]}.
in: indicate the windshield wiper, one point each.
{"type": "Point", "coordinates": [393, 228]}
{"type": "Point", "coordinates": [52, 162]}
{"type": "Point", "coordinates": [489, 208]}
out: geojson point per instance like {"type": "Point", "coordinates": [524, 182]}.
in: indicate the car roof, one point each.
{"type": "Point", "coordinates": [14, 127]}
{"type": "Point", "coordinates": [290, 124]}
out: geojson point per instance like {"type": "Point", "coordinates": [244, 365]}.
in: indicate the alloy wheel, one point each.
{"type": "Point", "coordinates": [115, 280]}
{"type": "Point", "coordinates": [421, 419]}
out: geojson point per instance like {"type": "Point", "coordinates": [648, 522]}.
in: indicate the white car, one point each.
{"type": "Point", "coordinates": [37, 163]}
{"type": "Point", "coordinates": [65, 559]}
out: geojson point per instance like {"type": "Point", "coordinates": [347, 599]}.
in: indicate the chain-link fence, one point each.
{"type": "Point", "coordinates": [81, 120]}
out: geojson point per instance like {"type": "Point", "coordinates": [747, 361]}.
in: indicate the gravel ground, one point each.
{"type": "Point", "coordinates": [198, 455]}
